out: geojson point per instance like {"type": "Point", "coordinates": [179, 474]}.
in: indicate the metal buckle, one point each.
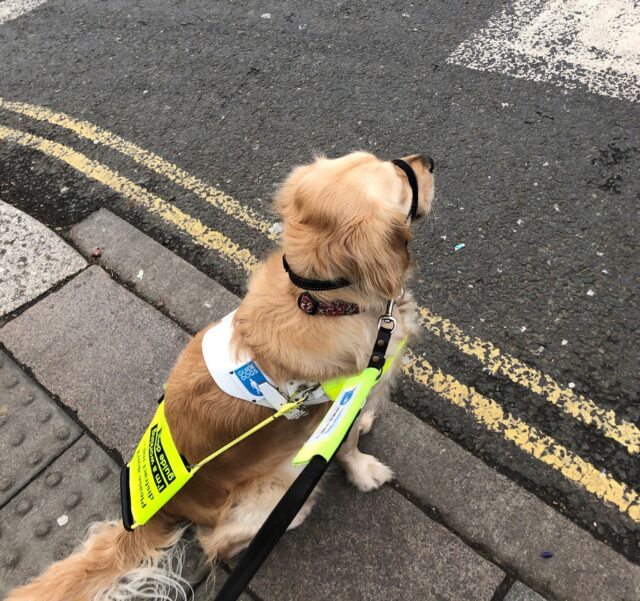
{"type": "Point", "coordinates": [303, 392]}
{"type": "Point", "coordinates": [277, 399]}
{"type": "Point", "coordinates": [389, 323]}
{"type": "Point", "coordinates": [388, 320]}
{"type": "Point", "coordinates": [300, 396]}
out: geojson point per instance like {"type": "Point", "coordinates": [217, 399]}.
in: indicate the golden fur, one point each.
{"type": "Point", "coordinates": [345, 217]}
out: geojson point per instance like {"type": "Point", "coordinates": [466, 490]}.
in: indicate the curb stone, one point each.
{"type": "Point", "coordinates": [32, 259]}
{"type": "Point", "coordinates": [155, 273]}
{"type": "Point", "coordinates": [371, 546]}
{"type": "Point", "coordinates": [493, 513]}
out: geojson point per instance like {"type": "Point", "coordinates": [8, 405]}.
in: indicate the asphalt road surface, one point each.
{"type": "Point", "coordinates": [530, 112]}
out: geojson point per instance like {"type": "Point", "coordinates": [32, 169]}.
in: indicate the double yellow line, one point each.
{"type": "Point", "coordinates": [210, 239]}
{"type": "Point", "coordinates": [484, 410]}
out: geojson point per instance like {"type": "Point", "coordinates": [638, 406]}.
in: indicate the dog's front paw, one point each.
{"type": "Point", "coordinates": [366, 473]}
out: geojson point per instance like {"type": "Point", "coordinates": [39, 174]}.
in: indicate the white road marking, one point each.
{"type": "Point", "coordinates": [12, 9]}
{"type": "Point", "coordinates": [586, 42]}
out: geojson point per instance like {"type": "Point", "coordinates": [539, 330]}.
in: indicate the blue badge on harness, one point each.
{"type": "Point", "coordinates": [345, 397]}
{"type": "Point", "coordinates": [251, 377]}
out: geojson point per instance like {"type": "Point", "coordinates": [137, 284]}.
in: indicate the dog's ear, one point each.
{"type": "Point", "coordinates": [378, 248]}
{"type": "Point", "coordinates": [285, 197]}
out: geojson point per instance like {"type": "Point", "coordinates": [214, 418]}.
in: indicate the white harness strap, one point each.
{"type": "Point", "coordinates": [241, 377]}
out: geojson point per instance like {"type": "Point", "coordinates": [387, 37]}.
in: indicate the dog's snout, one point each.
{"type": "Point", "coordinates": [428, 161]}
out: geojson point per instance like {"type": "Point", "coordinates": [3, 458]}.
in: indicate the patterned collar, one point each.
{"type": "Point", "coordinates": [313, 306]}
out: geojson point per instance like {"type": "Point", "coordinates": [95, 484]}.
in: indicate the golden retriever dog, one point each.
{"type": "Point", "coordinates": [342, 218]}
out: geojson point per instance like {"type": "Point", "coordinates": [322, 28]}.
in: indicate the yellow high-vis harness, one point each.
{"type": "Point", "coordinates": [158, 471]}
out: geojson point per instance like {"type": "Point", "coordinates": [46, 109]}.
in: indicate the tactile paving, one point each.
{"type": "Point", "coordinates": [33, 429]}
{"type": "Point", "coordinates": [49, 518]}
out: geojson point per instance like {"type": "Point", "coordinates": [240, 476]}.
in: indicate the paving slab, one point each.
{"type": "Point", "coordinates": [369, 547]}
{"type": "Point", "coordinates": [210, 588]}
{"type": "Point", "coordinates": [509, 523]}
{"type": "Point", "coordinates": [102, 350]}
{"type": "Point", "coordinates": [154, 272]}
{"type": "Point", "coordinates": [33, 429]}
{"type": "Point", "coordinates": [48, 519]}
{"type": "Point", "coordinates": [521, 592]}
{"type": "Point", "coordinates": [32, 259]}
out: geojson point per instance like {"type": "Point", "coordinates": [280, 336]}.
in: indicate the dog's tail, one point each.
{"type": "Point", "coordinates": [113, 564]}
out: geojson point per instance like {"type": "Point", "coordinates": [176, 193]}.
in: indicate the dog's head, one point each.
{"type": "Point", "coordinates": [350, 218]}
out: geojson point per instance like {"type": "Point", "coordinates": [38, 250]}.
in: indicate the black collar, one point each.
{"type": "Point", "coordinates": [319, 285]}
{"type": "Point", "coordinates": [315, 285]}
{"type": "Point", "coordinates": [413, 182]}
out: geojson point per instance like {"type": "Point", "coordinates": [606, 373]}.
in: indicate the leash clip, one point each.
{"type": "Point", "coordinates": [277, 400]}
{"type": "Point", "coordinates": [388, 321]}
{"type": "Point", "coordinates": [300, 396]}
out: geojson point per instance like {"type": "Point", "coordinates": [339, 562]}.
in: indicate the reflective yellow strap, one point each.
{"type": "Point", "coordinates": [333, 387]}
{"type": "Point", "coordinates": [156, 470]}
{"type": "Point", "coordinates": [336, 423]}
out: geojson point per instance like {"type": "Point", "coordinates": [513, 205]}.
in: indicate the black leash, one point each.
{"type": "Point", "coordinates": [272, 529]}
{"type": "Point", "coordinates": [293, 500]}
